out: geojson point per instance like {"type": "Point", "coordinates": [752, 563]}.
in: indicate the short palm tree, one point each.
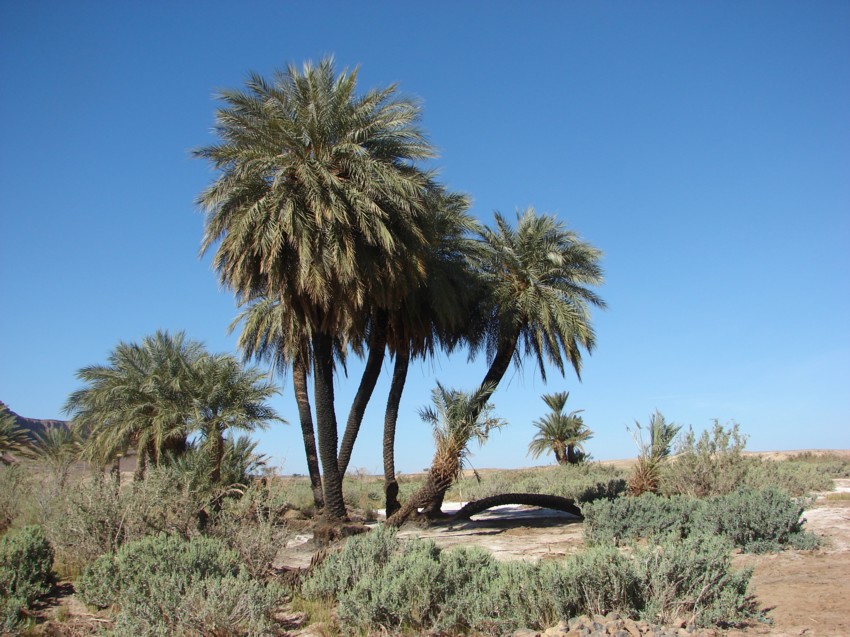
{"type": "Point", "coordinates": [13, 439]}
{"type": "Point", "coordinates": [316, 207]}
{"type": "Point", "coordinates": [457, 418]}
{"type": "Point", "coordinates": [227, 397]}
{"type": "Point", "coordinates": [141, 399]}
{"type": "Point", "coordinates": [646, 477]}
{"type": "Point", "coordinates": [58, 448]}
{"type": "Point", "coordinates": [560, 433]}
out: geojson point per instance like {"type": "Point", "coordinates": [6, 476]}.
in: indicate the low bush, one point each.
{"type": "Point", "coordinates": [165, 584]}
{"type": "Point", "coordinates": [385, 584]}
{"type": "Point", "coordinates": [755, 521]}
{"type": "Point", "coordinates": [712, 464]}
{"type": "Point", "coordinates": [26, 572]}
{"type": "Point", "coordinates": [14, 490]}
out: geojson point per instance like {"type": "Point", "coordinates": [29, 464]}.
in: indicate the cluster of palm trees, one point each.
{"type": "Point", "coordinates": [560, 433]}
{"type": "Point", "coordinates": [153, 396]}
{"type": "Point", "coordinates": [335, 240]}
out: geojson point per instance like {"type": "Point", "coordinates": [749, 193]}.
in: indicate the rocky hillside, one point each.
{"type": "Point", "coordinates": [33, 425]}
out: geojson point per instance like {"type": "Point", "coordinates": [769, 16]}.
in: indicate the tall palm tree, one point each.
{"type": "Point", "coordinates": [537, 279]}
{"type": "Point", "coordinates": [265, 337]}
{"type": "Point", "coordinates": [142, 398]}
{"type": "Point", "coordinates": [560, 433]}
{"type": "Point", "coordinates": [457, 418]}
{"type": "Point", "coordinates": [316, 206]}
{"type": "Point", "coordinates": [227, 397]}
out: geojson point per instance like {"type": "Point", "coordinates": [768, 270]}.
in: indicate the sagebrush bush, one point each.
{"type": "Point", "coordinates": [14, 491]}
{"type": "Point", "coordinates": [26, 572]}
{"type": "Point", "coordinates": [752, 520]}
{"type": "Point", "coordinates": [385, 584]}
{"type": "Point", "coordinates": [712, 464]}
{"type": "Point", "coordinates": [167, 585]}
{"type": "Point", "coordinates": [691, 580]}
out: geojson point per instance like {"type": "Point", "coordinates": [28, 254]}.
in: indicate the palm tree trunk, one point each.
{"type": "Point", "coordinates": [571, 454]}
{"type": "Point", "coordinates": [326, 425]}
{"type": "Point", "coordinates": [217, 453]}
{"type": "Point", "coordinates": [377, 346]}
{"type": "Point", "coordinates": [402, 362]}
{"type": "Point", "coordinates": [302, 398]}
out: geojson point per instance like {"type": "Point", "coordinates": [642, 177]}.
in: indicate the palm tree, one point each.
{"type": "Point", "coordinates": [13, 439]}
{"type": "Point", "coordinates": [646, 476]}
{"type": "Point", "coordinates": [228, 397]}
{"type": "Point", "coordinates": [265, 337]}
{"type": "Point", "coordinates": [59, 448]}
{"type": "Point", "coordinates": [435, 313]}
{"type": "Point", "coordinates": [142, 398]}
{"type": "Point", "coordinates": [560, 433]}
{"type": "Point", "coordinates": [457, 418]}
{"type": "Point", "coordinates": [537, 301]}
{"type": "Point", "coordinates": [316, 206]}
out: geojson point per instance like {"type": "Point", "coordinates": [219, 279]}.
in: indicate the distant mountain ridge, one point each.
{"type": "Point", "coordinates": [34, 426]}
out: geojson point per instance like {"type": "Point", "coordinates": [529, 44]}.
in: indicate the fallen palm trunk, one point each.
{"type": "Point", "coordinates": [541, 500]}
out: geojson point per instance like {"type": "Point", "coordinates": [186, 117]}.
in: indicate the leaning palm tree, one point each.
{"type": "Point", "coordinates": [141, 399]}
{"type": "Point", "coordinates": [562, 434]}
{"type": "Point", "coordinates": [14, 440]}
{"type": "Point", "coordinates": [227, 397]}
{"type": "Point", "coordinates": [316, 206]}
{"type": "Point", "coordinates": [537, 278]}
{"type": "Point", "coordinates": [457, 418]}
{"type": "Point", "coordinates": [646, 476]}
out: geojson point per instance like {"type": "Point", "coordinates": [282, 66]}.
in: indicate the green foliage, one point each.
{"type": "Point", "coordinates": [15, 488]}
{"type": "Point", "coordinates": [712, 464]}
{"type": "Point", "coordinates": [13, 439]}
{"type": "Point", "coordinates": [165, 585]}
{"type": "Point", "coordinates": [562, 434]}
{"type": "Point", "coordinates": [752, 520]}
{"type": "Point", "coordinates": [26, 572]}
{"type": "Point", "coordinates": [691, 580]}
{"type": "Point", "coordinates": [653, 454]}
{"type": "Point", "coordinates": [384, 584]}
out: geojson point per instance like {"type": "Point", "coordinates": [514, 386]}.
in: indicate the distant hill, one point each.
{"type": "Point", "coordinates": [33, 425]}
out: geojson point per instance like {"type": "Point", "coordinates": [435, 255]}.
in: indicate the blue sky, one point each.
{"type": "Point", "coordinates": [703, 146]}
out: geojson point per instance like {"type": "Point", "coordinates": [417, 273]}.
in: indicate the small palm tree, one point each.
{"type": "Point", "coordinates": [646, 476]}
{"type": "Point", "coordinates": [457, 418]}
{"type": "Point", "coordinates": [58, 448]}
{"type": "Point", "coordinates": [13, 439]}
{"type": "Point", "coordinates": [562, 434]}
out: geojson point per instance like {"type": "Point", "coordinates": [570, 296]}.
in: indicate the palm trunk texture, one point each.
{"type": "Point", "coordinates": [377, 346]}
{"type": "Point", "coordinates": [302, 398]}
{"type": "Point", "coordinates": [326, 425]}
{"type": "Point", "coordinates": [402, 362]}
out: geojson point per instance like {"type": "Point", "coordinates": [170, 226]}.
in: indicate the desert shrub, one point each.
{"type": "Point", "coordinates": [252, 526]}
{"type": "Point", "coordinates": [752, 520]}
{"type": "Point", "coordinates": [26, 572]}
{"type": "Point", "coordinates": [692, 581]}
{"type": "Point", "coordinates": [646, 516]}
{"type": "Point", "coordinates": [165, 585]}
{"type": "Point", "coordinates": [757, 521]}
{"type": "Point", "coordinates": [14, 491]}
{"type": "Point", "coordinates": [384, 584]}
{"type": "Point", "coordinates": [796, 476]}
{"type": "Point", "coordinates": [712, 464]}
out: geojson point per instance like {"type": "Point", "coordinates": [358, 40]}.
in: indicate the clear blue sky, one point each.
{"type": "Point", "coordinates": [703, 146]}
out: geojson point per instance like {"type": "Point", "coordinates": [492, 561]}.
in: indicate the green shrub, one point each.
{"type": "Point", "coordinates": [164, 585]}
{"type": "Point", "coordinates": [26, 571]}
{"type": "Point", "coordinates": [14, 490]}
{"type": "Point", "coordinates": [691, 580]}
{"type": "Point", "coordinates": [712, 464]}
{"type": "Point", "coordinates": [383, 584]}
{"type": "Point", "coordinates": [647, 516]}
{"type": "Point", "coordinates": [755, 521]}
